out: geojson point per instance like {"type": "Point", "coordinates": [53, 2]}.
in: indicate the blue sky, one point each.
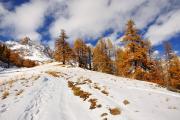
{"type": "Point", "coordinates": [42, 20]}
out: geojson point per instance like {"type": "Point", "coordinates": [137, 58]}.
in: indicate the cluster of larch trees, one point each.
{"type": "Point", "coordinates": [134, 61]}
{"type": "Point", "coordinates": [13, 58]}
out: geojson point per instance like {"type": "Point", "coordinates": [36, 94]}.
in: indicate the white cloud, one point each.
{"type": "Point", "coordinates": [156, 54]}
{"type": "Point", "coordinates": [148, 11]}
{"type": "Point", "coordinates": [25, 20]}
{"type": "Point", "coordinates": [3, 11]}
{"type": "Point", "coordinates": [165, 27]}
{"type": "Point", "coordinates": [176, 52]}
{"type": "Point", "coordinates": [90, 18]}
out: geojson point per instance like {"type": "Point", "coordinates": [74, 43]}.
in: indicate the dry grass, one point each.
{"type": "Point", "coordinates": [53, 73]}
{"type": "Point", "coordinates": [93, 103]}
{"type": "Point", "coordinates": [115, 111]}
{"type": "Point", "coordinates": [36, 77]}
{"type": "Point", "coordinates": [19, 92]}
{"type": "Point", "coordinates": [77, 91]}
{"type": "Point", "coordinates": [70, 84]}
{"type": "Point", "coordinates": [5, 94]}
{"type": "Point", "coordinates": [83, 94]}
{"type": "Point", "coordinates": [126, 102]}
{"type": "Point", "coordinates": [10, 83]}
{"type": "Point", "coordinates": [105, 92]}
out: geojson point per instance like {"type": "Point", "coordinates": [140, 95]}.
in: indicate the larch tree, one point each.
{"type": "Point", "coordinates": [89, 52]}
{"type": "Point", "coordinates": [63, 51]}
{"type": "Point", "coordinates": [5, 54]}
{"type": "Point", "coordinates": [121, 66]}
{"type": "Point", "coordinates": [81, 52]}
{"type": "Point", "coordinates": [172, 67]}
{"type": "Point", "coordinates": [101, 60]}
{"type": "Point", "coordinates": [136, 63]}
{"type": "Point", "coordinates": [110, 47]}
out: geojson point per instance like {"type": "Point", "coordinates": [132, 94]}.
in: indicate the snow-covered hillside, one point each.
{"type": "Point", "coordinates": [31, 50]}
{"type": "Point", "coordinates": [57, 92]}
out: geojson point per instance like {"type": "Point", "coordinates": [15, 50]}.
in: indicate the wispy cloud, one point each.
{"type": "Point", "coordinates": [166, 26]}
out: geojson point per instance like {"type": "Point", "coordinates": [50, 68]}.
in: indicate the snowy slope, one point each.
{"type": "Point", "coordinates": [32, 50]}
{"type": "Point", "coordinates": [44, 95]}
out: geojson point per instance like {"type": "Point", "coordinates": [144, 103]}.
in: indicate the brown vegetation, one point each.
{"type": "Point", "coordinates": [10, 82]}
{"type": "Point", "coordinates": [81, 52]}
{"type": "Point", "coordinates": [93, 103]}
{"type": "Point", "coordinates": [29, 63]}
{"type": "Point", "coordinates": [5, 94]}
{"type": "Point", "coordinates": [115, 111]}
{"type": "Point", "coordinates": [126, 102]}
{"type": "Point", "coordinates": [101, 60]}
{"type": "Point", "coordinates": [77, 91]}
{"type": "Point", "coordinates": [9, 56]}
{"type": "Point", "coordinates": [63, 51]}
{"type": "Point", "coordinates": [53, 73]}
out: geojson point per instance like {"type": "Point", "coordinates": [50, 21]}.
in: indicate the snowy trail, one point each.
{"type": "Point", "coordinates": [46, 96]}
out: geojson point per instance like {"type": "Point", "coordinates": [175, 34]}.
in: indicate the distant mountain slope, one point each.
{"type": "Point", "coordinates": [28, 49]}
{"type": "Point", "coordinates": [59, 92]}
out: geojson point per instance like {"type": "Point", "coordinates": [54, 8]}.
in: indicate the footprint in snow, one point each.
{"type": "Point", "coordinates": [45, 79]}
{"type": "Point", "coordinates": [4, 108]}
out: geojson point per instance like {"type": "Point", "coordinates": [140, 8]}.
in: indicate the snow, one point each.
{"type": "Point", "coordinates": [46, 97]}
{"type": "Point", "coordinates": [32, 51]}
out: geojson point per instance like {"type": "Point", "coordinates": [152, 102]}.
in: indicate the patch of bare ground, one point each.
{"type": "Point", "coordinates": [126, 102]}
{"type": "Point", "coordinates": [93, 104]}
{"type": "Point", "coordinates": [53, 73]}
{"type": "Point", "coordinates": [115, 111]}
{"type": "Point", "coordinates": [5, 94]}
{"type": "Point", "coordinates": [10, 83]}
{"type": "Point", "coordinates": [77, 91]}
